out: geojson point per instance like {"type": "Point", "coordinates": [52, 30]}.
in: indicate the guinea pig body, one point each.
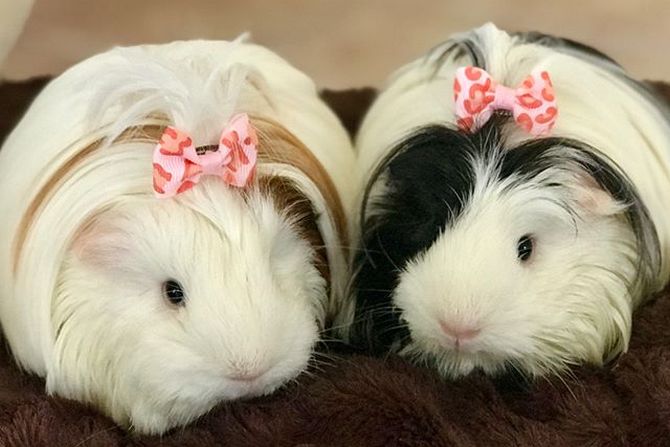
{"type": "Point", "coordinates": [496, 250]}
{"type": "Point", "coordinates": [156, 309]}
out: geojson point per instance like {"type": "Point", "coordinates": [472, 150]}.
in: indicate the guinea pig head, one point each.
{"type": "Point", "coordinates": [165, 307]}
{"type": "Point", "coordinates": [481, 254]}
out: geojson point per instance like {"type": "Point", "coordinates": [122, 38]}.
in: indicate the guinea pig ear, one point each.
{"type": "Point", "coordinates": [97, 244]}
{"type": "Point", "coordinates": [593, 198]}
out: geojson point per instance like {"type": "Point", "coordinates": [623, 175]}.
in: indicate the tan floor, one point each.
{"type": "Point", "coordinates": [339, 43]}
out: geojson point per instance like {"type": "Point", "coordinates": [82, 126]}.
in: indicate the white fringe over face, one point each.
{"type": "Point", "coordinates": [85, 247]}
{"type": "Point", "coordinates": [574, 302]}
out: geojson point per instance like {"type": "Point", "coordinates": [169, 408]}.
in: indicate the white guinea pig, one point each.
{"type": "Point", "coordinates": [490, 248]}
{"type": "Point", "coordinates": [155, 309]}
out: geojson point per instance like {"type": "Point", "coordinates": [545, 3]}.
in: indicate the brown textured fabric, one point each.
{"type": "Point", "coordinates": [355, 400]}
{"type": "Point", "coordinates": [14, 98]}
{"type": "Point", "coordinates": [350, 106]}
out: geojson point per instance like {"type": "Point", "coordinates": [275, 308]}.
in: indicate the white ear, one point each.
{"type": "Point", "coordinates": [98, 244]}
{"type": "Point", "coordinates": [594, 199]}
{"type": "Point", "coordinates": [83, 245]}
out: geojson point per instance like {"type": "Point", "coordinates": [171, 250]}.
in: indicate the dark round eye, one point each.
{"type": "Point", "coordinates": [524, 248]}
{"type": "Point", "coordinates": [173, 292]}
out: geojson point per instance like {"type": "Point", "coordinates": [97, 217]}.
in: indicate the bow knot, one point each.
{"type": "Point", "coordinates": [477, 96]}
{"type": "Point", "coordinates": [178, 165]}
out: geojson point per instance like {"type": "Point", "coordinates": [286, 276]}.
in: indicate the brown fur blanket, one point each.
{"type": "Point", "coordinates": [355, 400]}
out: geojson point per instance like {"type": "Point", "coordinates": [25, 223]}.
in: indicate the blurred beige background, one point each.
{"type": "Point", "coordinates": [339, 43]}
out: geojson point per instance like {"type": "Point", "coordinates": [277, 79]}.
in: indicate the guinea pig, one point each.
{"type": "Point", "coordinates": [174, 233]}
{"type": "Point", "coordinates": [504, 243]}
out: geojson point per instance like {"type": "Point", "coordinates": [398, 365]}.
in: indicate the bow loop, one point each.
{"type": "Point", "coordinates": [238, 148]}
{"type": "Point", "coordinates": [178, 165]}
{"type": "Point", "coordinates": [477, 95]}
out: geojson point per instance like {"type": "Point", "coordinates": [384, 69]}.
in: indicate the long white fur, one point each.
{"type": "Point", "coordinates": [456, 281]}
{"type": "Point", "coordinates": [197, 85]}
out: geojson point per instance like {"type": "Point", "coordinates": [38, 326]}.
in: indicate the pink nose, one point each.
{"type": "Point", "coordinates": [241, 377]}
{"type": "Point", "coordinates": [460, 332]}
{"type": "Point", "coordinates": [245, 375]}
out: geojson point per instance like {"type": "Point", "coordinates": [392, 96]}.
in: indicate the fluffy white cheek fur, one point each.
{"type": "Point", "coordinates": [568, 303]}
{"type": "Point", "coordinates": [250, 294]}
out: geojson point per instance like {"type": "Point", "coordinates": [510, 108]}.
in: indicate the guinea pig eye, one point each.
{"type": "Point", "coordinates": [524, 248]}
{"type": "Point", "coordinates": [173, 292]}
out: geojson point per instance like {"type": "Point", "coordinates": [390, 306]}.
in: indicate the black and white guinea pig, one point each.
{"type": "Point", "coordinates": [495, 250]}
{"type": "Point", "coordinates": [155, 309]}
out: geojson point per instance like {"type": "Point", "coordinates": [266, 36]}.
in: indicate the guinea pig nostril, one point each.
{"type": "Point", "coordinates": [246, 375]}
{"type": "Point", "coordinates": [459, 331]}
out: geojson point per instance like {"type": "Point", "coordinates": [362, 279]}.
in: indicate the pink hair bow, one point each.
{"type": "Point", "coordinates": [178, 165]}
{"type": "Point", "coordinates": [477, 96]}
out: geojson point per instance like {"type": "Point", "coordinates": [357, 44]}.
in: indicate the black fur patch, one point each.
{"type": "Point", "coordinates": [471, 47]}
{"type": "Point", "coordinates": [583, 51]}
{"type": "Point", "coordinates": [428, 180]}
{"type": "Point", "coordinates": [562, 42]}
{"type": "Point", "coordinates": [457, 49]}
